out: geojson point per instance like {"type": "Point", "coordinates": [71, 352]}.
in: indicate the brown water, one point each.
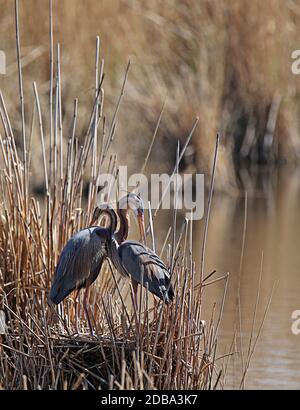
{"type": "Point", "coordinates": [273, 241]}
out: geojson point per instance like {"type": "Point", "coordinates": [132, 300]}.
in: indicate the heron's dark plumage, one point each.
{"type": "Point", "coordinates": [80, 262]}
{"type": "Point", "coordinates": [146, 268]}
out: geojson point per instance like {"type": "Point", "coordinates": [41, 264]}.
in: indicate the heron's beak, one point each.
{"type": "Point", "coordinates": [141, 223]}
{"type": "Point", "coordinates": [95, 216]}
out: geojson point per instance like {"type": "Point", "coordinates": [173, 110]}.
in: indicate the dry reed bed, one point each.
{"type": "Point", "coordinates": [158, 347]}
{"type": "Point", "coordinates": [166, 347]}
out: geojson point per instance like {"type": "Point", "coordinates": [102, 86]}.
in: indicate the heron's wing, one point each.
{"type": "Point", "coordinates": [146, 268]}
{"type": "Point", "coordinates": [79, 262]}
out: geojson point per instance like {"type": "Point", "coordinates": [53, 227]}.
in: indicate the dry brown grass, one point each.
{"type": "Point", "coordinates": [165, 347]}
{"type": "Point", "coordinates": [228, 62]}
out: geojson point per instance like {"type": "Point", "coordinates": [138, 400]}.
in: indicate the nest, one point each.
{"type": "Point", "coordinates": [96, 361]}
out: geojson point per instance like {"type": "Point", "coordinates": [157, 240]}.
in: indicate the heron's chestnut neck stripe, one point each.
{"type": "Point", "coordinates": [123, 231]}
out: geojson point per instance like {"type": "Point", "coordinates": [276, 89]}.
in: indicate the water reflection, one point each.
{"type": "Point", "coordinates": [273, 239]}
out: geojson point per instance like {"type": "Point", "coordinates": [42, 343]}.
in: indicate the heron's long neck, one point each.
{"type": "Point", "coordinates": [122, 233]}
{"type": "Point", "coordinates": [113, 220]}
{"type": "Point", "coordinates": [115, 257]}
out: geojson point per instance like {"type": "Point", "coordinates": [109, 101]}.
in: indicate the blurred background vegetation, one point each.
{"type": "Point", "coordinates": [228, 62]}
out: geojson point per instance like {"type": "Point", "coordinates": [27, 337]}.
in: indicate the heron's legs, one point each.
{"type": "Point", "coordinates": [135, 301]}
{"type": "Point", "coordinates": [76, 311]}
{"type": "Point", "coordinates": [135, 290]}
{"type": "Point", "coordinates": [85, 306]}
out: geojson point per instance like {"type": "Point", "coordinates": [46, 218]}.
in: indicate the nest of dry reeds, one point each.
{"type": "Point", "coordinates": [157, 347]}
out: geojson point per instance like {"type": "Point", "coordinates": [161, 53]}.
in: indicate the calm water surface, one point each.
{"type": "Point", "coordinates": [273, 242]}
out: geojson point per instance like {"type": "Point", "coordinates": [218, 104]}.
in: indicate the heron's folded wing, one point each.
{"type": "Point", "coordinates": [146, 268]}
{"type": "Point", "coordinates": [81, 259]}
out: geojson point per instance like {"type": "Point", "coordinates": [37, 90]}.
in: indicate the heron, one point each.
{"type": "Point", "coordinates": [79, 265]}
{"type": "Point", "coordinates": [134, 259]}
{"type": "Point", "coordinates": [82, 257]}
